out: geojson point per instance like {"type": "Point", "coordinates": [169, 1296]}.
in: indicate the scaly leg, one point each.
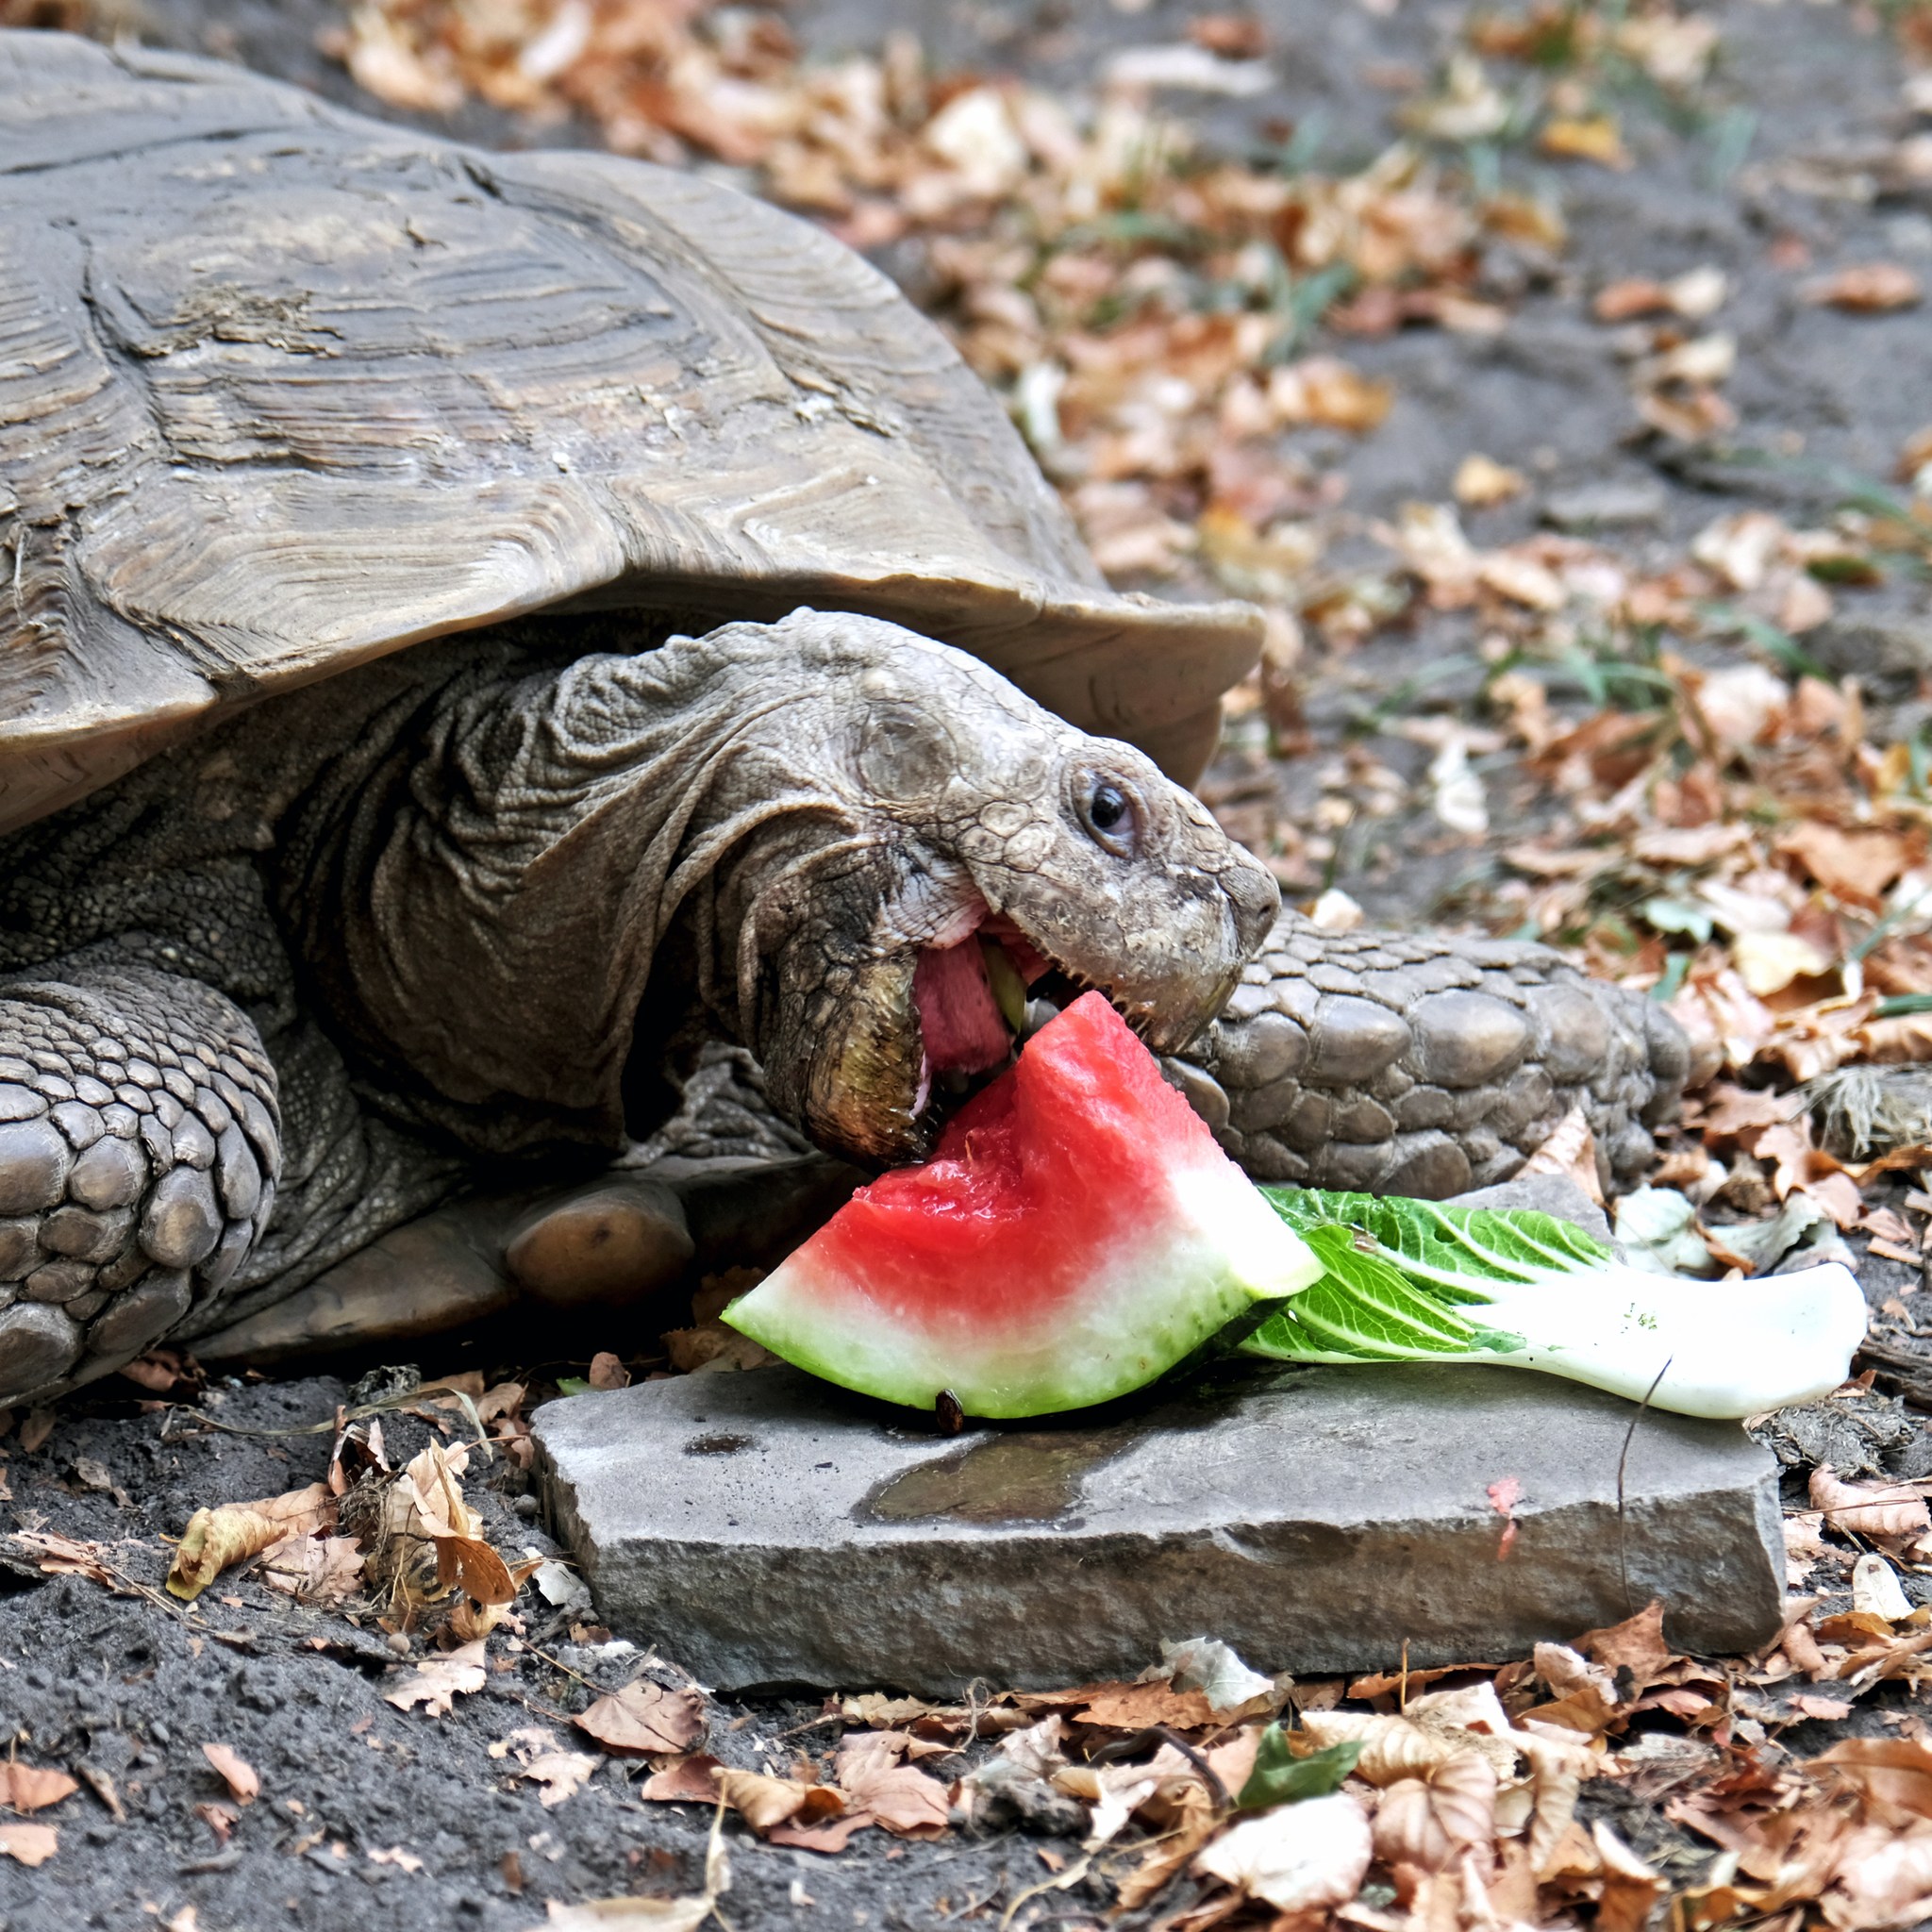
{"type": "Point", "coordinates": [140, 1145]}
{"type": "Point", "coordinates": [1410, 1064]}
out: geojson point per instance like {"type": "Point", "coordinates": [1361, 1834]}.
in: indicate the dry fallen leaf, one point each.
{"type": "Point", "coordinates": [766, 1803]}
{"type": "Point", "coordinates": [683, 1781]}
{"type": "Point", "coordinates": [1868, 289]}
{"type": "Point", "coordinates": [902, 1798]}
{"type": "Point", "coordinates": [1571, 1151]}
{"type": "Point", "coordinates": [1296, 1857]}
{"type": "Point", "coordinates": [28, 1845]}
{"type": "Point", "coordinates": [645, 1717]}
{"type": "Point", "coordinates": [439, 1679]}
{"type": "Point", "coordinates": [1430, 1822]}
{"type": "Point", "coordinates": [245, 1784]}
{"type": "Point", "coordinates": [1481, 482]}
{"type": "Point", "coordinates": [1884, 1511]}
{"type": "Point", "coordinates": [215, 1540]}
{"type": "Point", "coordinates": [315, 1569]}
{"type": "Point", "coordinates": [31, 1788]}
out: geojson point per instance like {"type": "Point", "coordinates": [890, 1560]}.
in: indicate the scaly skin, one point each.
{"type": "Point", "coordinates": [466, 916]}
{"type": "Point", "coordinates": [1408, 1064]}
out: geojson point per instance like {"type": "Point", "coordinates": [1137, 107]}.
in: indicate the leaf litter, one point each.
{"type": "Point", "coordinates": [1697, 806]}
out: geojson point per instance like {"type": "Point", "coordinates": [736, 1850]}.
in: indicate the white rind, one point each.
{"type": "Point", "coordinates": [1147, 1303]}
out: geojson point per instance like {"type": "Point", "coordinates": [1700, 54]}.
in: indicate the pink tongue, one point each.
{"type": "Point", "coordinates": [957, 1014]}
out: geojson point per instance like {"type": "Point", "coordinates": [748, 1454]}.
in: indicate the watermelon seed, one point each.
{"type": "Point", "coordinates": [947, 1413]}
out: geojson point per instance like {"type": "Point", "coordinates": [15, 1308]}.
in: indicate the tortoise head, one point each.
{"type": "Point", "coordinates": [951, 845]}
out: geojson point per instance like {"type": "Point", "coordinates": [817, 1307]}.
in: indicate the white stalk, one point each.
{"type": "Point", "coordinates": [1721, 1348]}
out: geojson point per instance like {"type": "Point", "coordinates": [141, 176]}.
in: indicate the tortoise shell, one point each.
{"type": "Point", "coordinates": [283, 389]}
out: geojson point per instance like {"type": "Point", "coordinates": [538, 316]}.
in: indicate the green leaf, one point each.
{"type": "Point", "coordinates": [1363, 1307]}
{"type": "Point", "coordinates": [1278, 1778]}
{"type": "Point", "coordinates": [1455, 1252]}
{"type": "Point", "coordinates": [571, 1385]}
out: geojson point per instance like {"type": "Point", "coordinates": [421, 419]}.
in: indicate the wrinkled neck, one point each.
{"type": "Point", "coordinates": [489, 899]}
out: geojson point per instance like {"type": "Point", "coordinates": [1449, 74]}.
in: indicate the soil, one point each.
{"type": "Point", "coordinates": [131, 1685]}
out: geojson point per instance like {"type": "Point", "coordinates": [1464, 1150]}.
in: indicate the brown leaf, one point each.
{"type": "Point", "coordinates": [475, 1565]}
{"type": "Point", "coordinates": [713, 1347]}
{"type": "Point", "coordinates": [1121, 1706]}
{"type": "Point", "coordinates": [31, 1788]}
{"type": "Point", "coordinates": [1884, 1878]}
{"type": "Point", "coordinates": [1895, 1772]}
{"type": "Point", "coordinates": [683, 1781]}
{"type": "Point", "coordinates": [560, 1773]}
{"type": "Point", "coordinates": [645, 1717]}
{"type": "Point", "coordinates": [1635, 1645]}
{"type": "Point", "coordinates": [1884, 1511]}
{"type": "Point", "coordinates": [28, 1845]}
{"type": "Point", "coordinates": [500, 1402]}
{"type": "Point", "coordinates": [315, 1569]}
{"type": "Point", "coordinates": [1859, 864]}
{"type": "Point", "coordinates": [1630, 1887]}
{"type": "Point", "coordinates": [439, 1680]}
{"type": "Point", "coordinates": [903, 1799]}
{"type": "Point", "coordinates": [1196, 1821]}
{"type": "Point", "coordinates": [766, 1803]}
{"type": "Point", "coordinates": [1297, 1858]}
{"type": "Point", "coordinates": [1429, 1821]}
{"type": "Point", "coordinates": [215, 1540]}
{"type": "Point", "coordinates": [1868, 289]}
{"type": "Point", "coordinates": [220, 1819]}
{"type": "Point", "coordinates": [245, 1784]}
{"type": "Point", "coordinates": [1571, 1151]}
{"type": "Point", "coordinates": [1596, 138]}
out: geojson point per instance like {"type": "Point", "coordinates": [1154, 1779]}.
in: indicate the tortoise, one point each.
{"type": "Point", "coordinates": [543, 710]}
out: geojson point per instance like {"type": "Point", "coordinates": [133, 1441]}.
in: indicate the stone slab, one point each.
{"type": "Point", "coordinates": [764, 1528]}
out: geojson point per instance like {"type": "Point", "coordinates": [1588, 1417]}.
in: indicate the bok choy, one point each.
{"type": "Point", "coordinates": [1418, 1281]}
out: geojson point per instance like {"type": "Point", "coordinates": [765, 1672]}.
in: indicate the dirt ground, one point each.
{"type": "Point", "coordinates": [1776, 175]}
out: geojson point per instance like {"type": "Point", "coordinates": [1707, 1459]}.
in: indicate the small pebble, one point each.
{"type": "Point", "coordinates": [399, 1643]}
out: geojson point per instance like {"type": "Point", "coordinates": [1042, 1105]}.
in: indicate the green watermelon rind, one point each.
{"type": "Point", "coordinates": [1223, 1250]}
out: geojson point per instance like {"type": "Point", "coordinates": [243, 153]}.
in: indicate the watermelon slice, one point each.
{"type": "Point", "coordinates": [1077, 1233]}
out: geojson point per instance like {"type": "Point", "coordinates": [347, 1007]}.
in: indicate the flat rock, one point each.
{"type": "Point", "coordinates": [764, 1528]}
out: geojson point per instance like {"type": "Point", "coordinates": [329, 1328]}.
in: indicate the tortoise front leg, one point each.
{"type": "Point", "coordinates": [140, 1145]}
{"type": "Point", "coordinates": [1410, 1064]}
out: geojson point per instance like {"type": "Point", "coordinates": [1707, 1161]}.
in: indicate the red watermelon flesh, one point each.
{"type": "Point", "coordinates": [1076, 1234]}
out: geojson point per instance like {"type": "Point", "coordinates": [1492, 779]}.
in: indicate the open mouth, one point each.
{"type": "Point", "coordinates": [976, 1000]}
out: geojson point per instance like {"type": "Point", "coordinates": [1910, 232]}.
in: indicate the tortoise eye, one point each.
{"type": "Point", "coordinates": [1109, 812]}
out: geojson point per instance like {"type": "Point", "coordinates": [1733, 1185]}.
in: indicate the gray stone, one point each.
{"type": "Point", "coordinates": [767, 1528]}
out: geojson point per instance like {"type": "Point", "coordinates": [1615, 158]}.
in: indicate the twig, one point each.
{"type": "Point", "coordinates": [1623, 1460]}
{"type": "Point", "coordinates": [1060, 1881]}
